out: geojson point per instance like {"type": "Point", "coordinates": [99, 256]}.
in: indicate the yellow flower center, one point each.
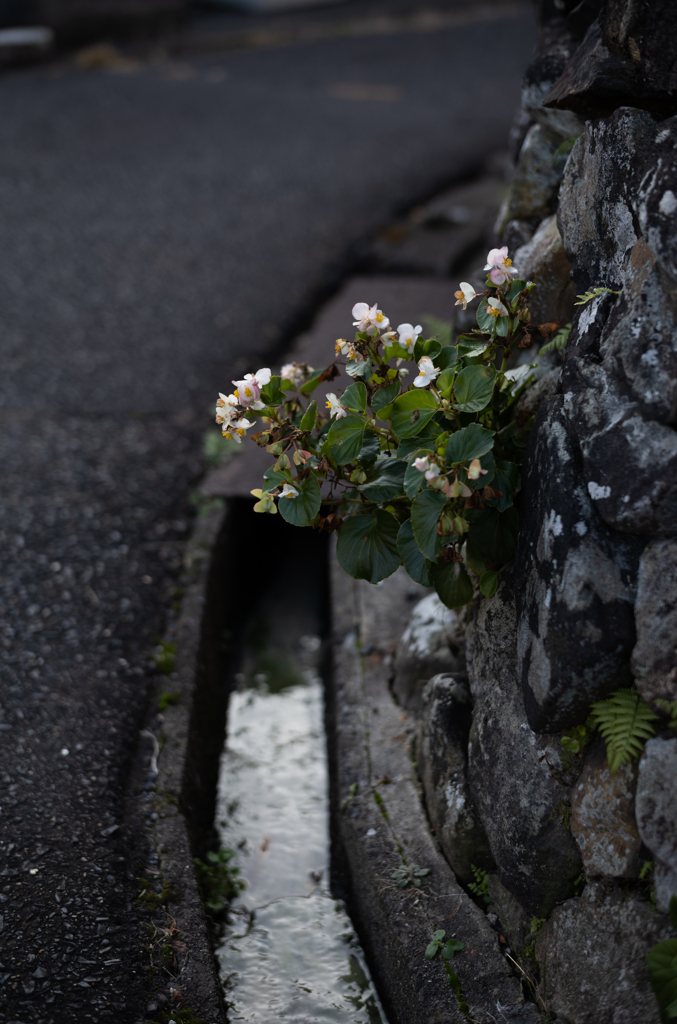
{"type": "Point", "coordinates": [507, 262]}
{"type": "Point", "coordinates": [494, 312]}
{"type": "Point", "coordinates": [248, 392]}
{"type": "Point", "coordinates": [240, 432]}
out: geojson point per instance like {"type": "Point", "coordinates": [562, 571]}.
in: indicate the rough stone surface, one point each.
{"type": "Point", "coordinates": [574, 584]}
{"type": "Point", "coordinates": [603, 816]}
{"type": "Point", "coordinates": [656, 808]}
{"type": "Point", "coordinates": [543, 260]}
{"type": "Point", "coordinates": [372, 755]}
{"type": "Point", "coordinates": [533, 398]}
{"type": "Point", "coordinates": [442, 752]}
{"type": "Point", "coordinates": [433, 642]}
{"type": "Point", "coordinates": [533, 190]}
{"type": "Point", "coordinates": [512, 917]}
{"type": "Point", "coordinates": [654, 658]}
{"type": "Point", "coordinates": [515, 776]}
{"type": "Point", "coordinates": [553, 52]}
{"type": "Point", "coordinates": [592, 955]}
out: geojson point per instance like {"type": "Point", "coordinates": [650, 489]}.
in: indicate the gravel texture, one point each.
{"type": "Point", "coordinates": [161, 229]}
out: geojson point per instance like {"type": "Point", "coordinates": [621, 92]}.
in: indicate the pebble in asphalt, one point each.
{"type": "Point", "coordinates": [160, 232]}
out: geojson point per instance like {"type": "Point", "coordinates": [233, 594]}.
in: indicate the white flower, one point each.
{"type": "Point", "coordinates": [408, 335]}
{"type": "Point", "coordinates": [342, 345]}
{"type": "Point", "coordinates": [500, 266]}
{"type": "Point", "coordinates": [465, 294]}
{"type": "Point", "coordinates": [288, 492]}
{"type": "Point", "coordinates": [335, 407]}
{"type": "Point", "coordinates": [475, 470]}
{"type": "Point", "coordinates": [422, 464]}
{"type": "Point", "coordinates": [236, 430]}
{"type": "Point", "coordinates": [426, 372]}
{"type": "Point", "coordinates": [496, 307]}
{"type": "Point", "coordinates": [295, 372]}
{"type": "Point", "coordinates": [225, 408]}
{"type": "Point", "coordinates": [248, 390]}
{"type": "Point", "coordinates": [368, 318]}
{"type": "Point", "coordinates": [432, 472]}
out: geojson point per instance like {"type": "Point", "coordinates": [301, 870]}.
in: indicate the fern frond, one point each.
{"type": "Point", "coordinates": [592, 294]}
{"type": "Point", "coordinates": [558, 342]}
{"type": "Point", "coordinates": [624, 721]}
{"type": "Point", "coordinates": [669, 708]}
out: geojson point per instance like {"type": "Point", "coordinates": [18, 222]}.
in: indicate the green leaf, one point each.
{"type": "Point", "coordinates": [388, 482]}
{"type": "Point", "coordinates": [470, 346]}
{"type": "Point", "coordinates": [309, 417]}
{"type": "Point", "coordinates": [412, 412]}
{"type": "Point", "coordinates": [426, 439]}
{"type": "Point", "coordinates": [662, 964]}
{"type": "Point", "coordinates": [359, 369]}
{"type": "Point", "coordinates": [412, 559]}
{"type": "Point", "coordinates": [452, 583]}
{"type": "Point", "coordinates": [367, 546]}
{"type": "Point", "coordinates": [485, 320]}
{"type": "Point", "coordinates": [474, 388]}
{"type": "Point", "coordinates": [345, 438]}
{"type": "Point", "coordinates": [439, 934]}
{"type": "Point", "coordinates": [445, 381]}
{"type": "Point", "coordinates": [413, 480]}
{"type": "Point", "coordinates": [625, 722]}
{"type": "Point", "coordinates": [355, 397]}
{"type": "Point", "coordinates": [384, 396]}
{"type": "Point", "coordinates": [493, 534]}
{"type": "Point", "coordinates": [425, 511]}
{"type": "Point", "coordinates": [301, 511]}
{"type": "Point", "coordinates": [275, 478]}
{"type": "Point", "coordinates": [272, 393]}
{"type": "Point", "coordinates": [506, 478]}
{"type": "Point", "coordinates": [370, 449]}
{"type": "Point", "coordinates": [451, 947]}
{"type": "Point", "coordinates": [311, 383]}
{"type": "Point", "coordinates": [431, 950]}
{"type": "Point", "coordinates": [395, 351]}
{"type": "Point", "coordinates": [489, 583]}
{"type": "Point", "coordinates": [446, 358]}
{"type": "Point", "coordinates": [515, 288]}
{"type": "Point", "coordinates": [469, 443]}
{"type": "Point", "coordinates": [502, 326]}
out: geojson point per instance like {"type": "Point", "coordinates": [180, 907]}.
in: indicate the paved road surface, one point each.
{"type": "Point", "coordinates": [160, 229]}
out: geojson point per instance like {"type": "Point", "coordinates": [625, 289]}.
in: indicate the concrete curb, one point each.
{"type": "Point", "coordinates": [372, 762]}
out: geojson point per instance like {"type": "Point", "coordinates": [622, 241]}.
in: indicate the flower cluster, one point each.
{"type": "Point", "coordinates": [422, 474]}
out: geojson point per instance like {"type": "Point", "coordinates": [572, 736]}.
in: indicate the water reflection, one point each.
{"type": "Point", "coordinates": [289, 951]}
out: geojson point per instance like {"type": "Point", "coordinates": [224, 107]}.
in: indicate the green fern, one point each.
{"type": "Point", "coordinates": [662, 964]}
{"type": "Point", "coordinates": [669, 708]}
{"type": "Point", "coordinates": [480, 887]}
{"type": "Point", "coordinates": [592, 294]}
{"type": "Point", "coordinates": [558, 342]}
{"type": "Point", "coordinates": [624, 721]}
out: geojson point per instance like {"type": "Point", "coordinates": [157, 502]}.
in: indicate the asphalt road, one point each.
{"type": "Point", "coordinates": [161, 229]}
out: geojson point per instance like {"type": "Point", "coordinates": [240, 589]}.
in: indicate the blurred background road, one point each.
{"type": "Point", "coordinates": [168, 220]}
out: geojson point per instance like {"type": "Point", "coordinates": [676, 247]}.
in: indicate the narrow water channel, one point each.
{"type": "Point", "coordinates": [289, 951]}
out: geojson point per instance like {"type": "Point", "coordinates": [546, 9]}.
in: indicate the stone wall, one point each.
{"type": "Point", "coordinates": [581, 861]}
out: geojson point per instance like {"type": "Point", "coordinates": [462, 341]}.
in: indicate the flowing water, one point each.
{"type": "Point", "coordinates": [289, 951]}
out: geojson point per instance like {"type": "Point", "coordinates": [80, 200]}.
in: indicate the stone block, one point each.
{"type": "Point", "coordinates": [533, 190]}
{"type": "Point", "coordinates": [512, 916]}
{"type": "Point", "coordinates": [556, 46]}
{"type": "Point", "coordinates": [442, 750]}
{"type": "Point", "coordinates": [544, 261]}
{"type": "Point", "coordinates": [603, 816]}
{"type": "Point", "coordinates": [514, 774]}
{"type": "Point", "coordinates": [656, 200]}
{"type": "Point", "coordinates": [656, 809]}
{"type": "Point", "coordinates": [433, 642]}
{"type": "Point", "coordinates": [574, 584]}
{"type": "Point", "coordinates": [654, 658]}
{"type": "Point", "coordinates": [592, 955]}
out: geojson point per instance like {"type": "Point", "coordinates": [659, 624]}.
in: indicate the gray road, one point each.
{"type": "Point", "coordinates": [160, 229]}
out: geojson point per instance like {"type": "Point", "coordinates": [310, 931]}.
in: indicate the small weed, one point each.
{"type": "Point", "coordinates": [536, 925]}
{"type": "Point", "coordinates": [165, 656]}
{"type": "Point", "coordinates": [219, 880]}
{"type": "Point", "coordinates": [447, 948]}
{"type": "Point", "coordinates": [579, 883]}
{"type": "Point", "coordinates": [530, 951]}
{"type": "Point", "coordinates": [152, 900]}
{"type": "Point", "coordinates": [669, 708]}
{"type": "Point", "coordinates": [662, 964]}
{"type": "Point", "coordinates": [480, 887]}
{"type": "Point", "coordinates": [167, 699]}
{"type": "Point", "coordinates": [410, 874]}
{"type": "Point", "coordinates": [646, 870]}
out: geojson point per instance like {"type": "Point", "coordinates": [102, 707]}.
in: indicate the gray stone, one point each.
{"type": "Point", "coordinates": [574, 584]}
{"type": "Point", "coordinates": [657, 195]}
{"type": "Point", "coordinates": [656, 808]}
{"type": "Point", "coordinates": [592, 955]}
{"type": "Point", "coordinates": [555, 47]}
{"type": "Point", "coordinates": [433, 642]}
{"type": "Point", "coordinates": [533, 398]}
{"type": "Point", "coordinates": [603, 816]}
{"type": "Point", "coordinates": [654, 658]}
{"type": "Point", "coordinates": [442, 749]}
{"type": "Point", "coordinates": [512, 916]}
{"type": "Point", "coordinates": [533, 190]}
{"type": "Point", "coordinates": [543, 261]}
{"type": "Point", "coordinates": [514, 774]}
{"type": "Point", "coordinates": [637, 32]}
{"type": "Point", "coordinates": [595, 212]}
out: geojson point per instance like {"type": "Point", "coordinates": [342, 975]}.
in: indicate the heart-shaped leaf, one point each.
{"type": "Point", "coordinates": [301, 510]}
{"type": "Point", "coordinates": [384, 396]}
{"type": "Point", "coordinates": [367, 546]}
{"type": "Point", "coordinates": [469, 443]}
{"type": "Point", "coordinates": [345, 438]}
{"type": "Point", "coordinates": [388, 482]}
{"type": "Point", "coordinates": [355, 397]}
{"type": "Point", "coordinates": [452, 583]}
{"type": "Point", "coordinates": [412, 559]}
{"type": "Point", "coordinates": [412, 412]}
{"type": "Point", "coordinates": [425, 511]}
{"type": "Point", "coordinates": [473, 388]}
{"type": "Point", "coordinates": [493, 534]}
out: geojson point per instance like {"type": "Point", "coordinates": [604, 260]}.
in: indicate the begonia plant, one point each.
{"type": "Point", "coordinates": [421, 473]}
